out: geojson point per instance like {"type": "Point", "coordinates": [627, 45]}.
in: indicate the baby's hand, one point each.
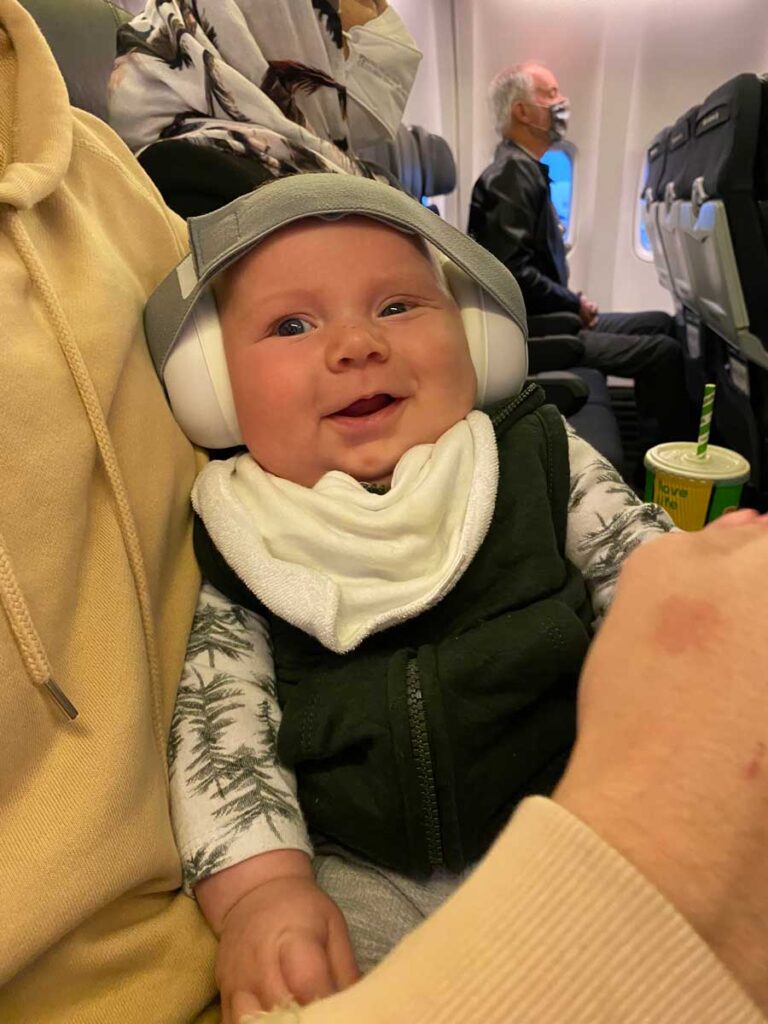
{"type": "Point", "coordinates": [283, 940]}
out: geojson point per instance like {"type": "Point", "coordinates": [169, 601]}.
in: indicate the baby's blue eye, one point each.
{"type": "Point", "coordinates": [393, 308]}
{"type": "Point", "coordinates": [293, 325]}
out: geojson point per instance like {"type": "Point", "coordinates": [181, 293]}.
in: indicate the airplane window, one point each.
{"type": "Point", "coordinates": [559, 161]}
{"type": "Point", "coordinates": [642, 243]}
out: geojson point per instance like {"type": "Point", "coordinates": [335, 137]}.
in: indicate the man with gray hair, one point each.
{"type": "Point", "coordinates": [511, 214]}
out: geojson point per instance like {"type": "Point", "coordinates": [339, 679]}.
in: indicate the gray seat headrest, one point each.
{"type": "Point", "coordinates": [81, 35]}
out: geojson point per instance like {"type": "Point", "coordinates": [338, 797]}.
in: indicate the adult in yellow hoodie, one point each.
{"type": "Point", "coordinates": [97, 575]}
{"type": "Point", "coordinates": [98, 588]}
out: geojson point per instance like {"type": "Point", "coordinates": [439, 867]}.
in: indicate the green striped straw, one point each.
{"type": "Point", "coordinates": [705, 423]}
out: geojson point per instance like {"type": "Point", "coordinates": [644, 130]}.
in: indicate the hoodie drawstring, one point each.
{"type": "Point", "coordinates": [26, 636]}
{"type": "Point", "coordinates": [11, 592]}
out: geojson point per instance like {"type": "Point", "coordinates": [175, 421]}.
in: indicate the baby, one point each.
{"type": "Point", "coordinates": [394, 611]}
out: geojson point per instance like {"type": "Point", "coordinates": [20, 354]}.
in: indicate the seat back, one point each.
{"type": "Point", "coordinates": [723, 150]}
{"type": "Point", "coordinates": [409, 158]}
{"type": "Point", "coordinates": [418, 160]}
{"type": "Point", "coordinates": [398, 160]}
{"type": "Point", "coordinates": [725, 236]}
{"type": "Point", "coordinates": [727, 244]}
{"type": "Point", "coordinates": [437, 163]}
{"type": "Point", "coordinates": [81, 34]}
{"type": "Point", "coordinates": [677, 175]}
{"type": "Point", "coordinates": [675, 188]}
{"type": "Point", "coordinates": [706, 186]}
{"type": "Point", "coordinates": [442, 166]}
{"type": "Point", "coordinates": [656, 156]}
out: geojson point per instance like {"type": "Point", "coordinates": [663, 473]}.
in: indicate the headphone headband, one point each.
{"type": "Point", "coordinates": [185, 342]}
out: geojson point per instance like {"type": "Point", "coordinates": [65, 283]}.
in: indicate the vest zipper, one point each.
{"type": "Point", "coordinates": [498, 418]}
{"type": "Point", "coordinates": [425, 774]}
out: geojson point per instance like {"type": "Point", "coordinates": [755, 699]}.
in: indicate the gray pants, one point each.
{"type": "Point", "coordinates": [379, 906]}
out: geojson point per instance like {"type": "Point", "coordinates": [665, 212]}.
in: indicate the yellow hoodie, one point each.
{"type": "Point", "coordinates": [97, 579]}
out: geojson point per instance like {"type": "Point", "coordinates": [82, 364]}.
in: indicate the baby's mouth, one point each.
{"type": "Point", "coordinates": [366, 406]}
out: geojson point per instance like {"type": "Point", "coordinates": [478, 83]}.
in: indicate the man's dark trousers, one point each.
{"type": "Point", "coordinates": [643, 346]}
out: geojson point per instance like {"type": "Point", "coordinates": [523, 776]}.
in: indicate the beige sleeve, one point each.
{"type": "Point", "coordinates": [553, 927]}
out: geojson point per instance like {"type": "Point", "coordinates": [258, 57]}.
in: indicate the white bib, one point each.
{"type": "Point", "coordinates": [341, 562]}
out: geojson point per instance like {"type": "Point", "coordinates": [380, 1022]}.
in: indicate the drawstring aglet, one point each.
{"type": "Point", "coordinates": [61, 699]}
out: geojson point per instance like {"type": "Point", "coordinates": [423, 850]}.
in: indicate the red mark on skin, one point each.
{"type": "Point", "coordinates": [753, 768]}
{"type": "Point", "coordinates": [687, 623]}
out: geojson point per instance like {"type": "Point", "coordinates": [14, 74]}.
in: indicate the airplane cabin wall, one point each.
{"type": "Point", "coordinates": [629, 67]}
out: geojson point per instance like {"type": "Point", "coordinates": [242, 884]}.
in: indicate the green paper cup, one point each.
{"type": "Point", "coordinates": [694, 490]}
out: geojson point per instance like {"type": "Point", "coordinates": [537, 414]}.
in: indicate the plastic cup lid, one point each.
{"type": "Point", "coordinates": [679, 458]}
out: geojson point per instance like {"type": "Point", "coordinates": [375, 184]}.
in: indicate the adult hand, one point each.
{"type": "Point", "coordinates": [671, 761]}
{"type": "Point", "coordinates": [587, 312]}
{"type": "Point", "coordinates": [358, 12]}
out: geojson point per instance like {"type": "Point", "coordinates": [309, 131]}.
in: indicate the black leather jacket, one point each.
{"type": "Point", "coordinates": [512, 216]}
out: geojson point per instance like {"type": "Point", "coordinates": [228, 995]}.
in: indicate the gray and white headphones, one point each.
{"type": "Point", "coordinates": [182, 324]}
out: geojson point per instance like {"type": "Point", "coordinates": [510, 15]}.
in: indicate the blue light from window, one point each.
{"type": "Point", "coordinates": [642, 235]}
{"type": "Point", "coordinates": [560, 166]}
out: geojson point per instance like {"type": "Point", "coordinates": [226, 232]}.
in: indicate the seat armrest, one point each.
{"type": "Point", "coordinates": [555, 352]}
{"type": "Point", "coordinates": [553, 323]}
{"type": "Point", "coordinates": [564, 390]}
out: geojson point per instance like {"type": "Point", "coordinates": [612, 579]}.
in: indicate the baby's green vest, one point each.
{"type": "Point", "coordinates": [413, 749]}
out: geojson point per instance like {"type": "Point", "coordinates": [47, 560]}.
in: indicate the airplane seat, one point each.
{"type": "Point", "coordinates": [656, 155]}
{"type": "Point", "coordinates": [437, 164]}
{"type": "Point", "coordinates": [724, 237]}
{"type": "Point", "coordinates": [442, 167]}
{"type": "Point", "coordinates": [421, 138]}
{"type": "Point", "coordinates": [652, 196]}
{"type": "Point", "coordinates": [737, 420]}
{"type": "Point", "coordinates": [726, 245]}
{"type": "Point", "coordinates": [398, 160]}
{"type": "Point", "coordinates": [661, 220]}
{"type": "Point", "coordinates": [81, 34]}
{"type": "Point", "coordinates": [409, 159]}
{"type": "Point", "coordinates": [675, 192]}
{"type": "Point", "coordinates": [382, 158]}
{"type": "Point", "coordinates": [417, 160]}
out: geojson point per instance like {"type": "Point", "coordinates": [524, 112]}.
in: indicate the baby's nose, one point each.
{"type": "Point", "coordinates": [356, 343]}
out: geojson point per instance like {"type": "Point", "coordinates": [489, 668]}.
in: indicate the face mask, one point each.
{"type": "Point", "coordinates": [559, 113]}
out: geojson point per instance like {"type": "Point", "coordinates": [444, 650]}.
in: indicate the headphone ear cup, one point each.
{"type": "Point", "coordinates": [197, 382]}
{"type": "Point", "coordinates": [497, 345]}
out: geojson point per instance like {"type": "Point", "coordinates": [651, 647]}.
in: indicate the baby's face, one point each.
{"type": "Point", "coordinates": [343, 351]}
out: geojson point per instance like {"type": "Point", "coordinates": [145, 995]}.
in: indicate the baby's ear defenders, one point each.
{"type": "Point", "coordinates": [182, 323]}
{"type": "Point", "coordinates": [197, 380]}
